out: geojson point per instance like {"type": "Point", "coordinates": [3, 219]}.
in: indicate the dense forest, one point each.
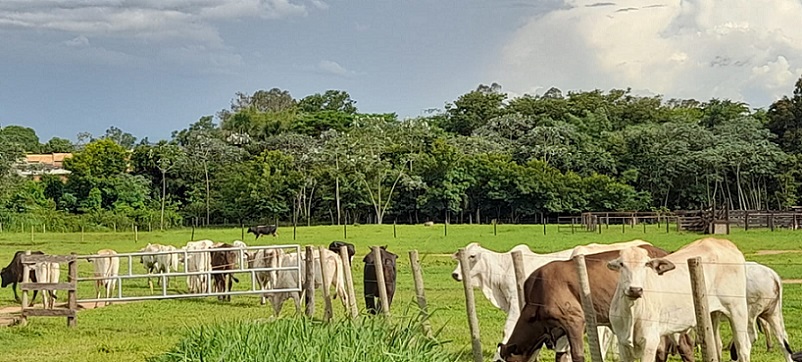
{"type": "Point", "coordinates": [484, 156]}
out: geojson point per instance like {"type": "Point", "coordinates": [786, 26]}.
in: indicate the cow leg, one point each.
{"type": "Point", "coordinates": [562, 350]}
{"type": "Point", "coordinates": [650, 348]}
{"type": "Point", "coordinates": [662, 352]}
{"type": "Point", "coordinates": [738, 322]}
{"type": "Point", "coordinates": [768, 328]}
{"type": "Point", "coordinates": [685, 347]}
{"type": "Point", "coordinates": [370, 304]}
{"type": "Point", "coordinates": [574, 331]}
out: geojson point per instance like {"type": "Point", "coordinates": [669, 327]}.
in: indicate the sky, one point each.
{"type": "Point", "coordinates": [150, 67]}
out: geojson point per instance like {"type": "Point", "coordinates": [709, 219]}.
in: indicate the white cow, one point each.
{"type": "Point", "coordinates": [653, 297]}
{"type": "Point", "coordinates": [47, 273]}
{"type": "Point", "coordinates": [159, 263]}
{"type": "Point", "coordinates": [198, 260]}
{"type": "Point", "coordinates": [107, 268]}
{"type": "Point", "coordinates": [285, 279]}
{"type": "Point", "coordinates": [494, 274]}
{"type": "Point", "coordinates": [764, 291]}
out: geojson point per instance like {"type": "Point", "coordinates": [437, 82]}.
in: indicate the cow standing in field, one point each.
{"type": "Point", "coordinates": [12, 274]}
{"type": "Point", "coordinates": [653, 297]}
{"type": "Point", "coordinates": [371, 284]}
{"type": "Point", "coordinates": [198, 260]}
{"type": "Point", "coordinates": [263, 230]}
{"type": "Point", "coordinates": [285, 279]}
{"type": "Point", "coordinates": [493, 273]}
{"type": "Point", "coordinates": [764, 299]}
{"type": "Point", "coordinates": [553, 308]}
{"type": "Point", "coordinates": [107, 267]}
{"type": "Point", "coordinates": [159, 263]}
{"type": "Point", "coordinates": [223, 259]}
{"type": "Point", "coordinates": [47, 273]}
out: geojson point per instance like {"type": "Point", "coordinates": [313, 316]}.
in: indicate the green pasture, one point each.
{"type": "Point", "coordinates": [139, 330]}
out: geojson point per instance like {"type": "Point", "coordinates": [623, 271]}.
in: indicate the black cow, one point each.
{"type": "Point", "coordinates": [263, 230]}
{"type": "Point", "coordinates": [370, 283]}
{"type": "Point", "coordinates": [12, 274]}
{"type": "Point", "coordinates": [336, 245]}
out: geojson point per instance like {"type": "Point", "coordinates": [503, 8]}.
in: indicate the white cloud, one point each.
{"type": "Point", "coordinates": [746, 50]}
{"type": "Point", "coordinates": [333, 67]}
{"type": "Point", "coordinates": [78, 42]}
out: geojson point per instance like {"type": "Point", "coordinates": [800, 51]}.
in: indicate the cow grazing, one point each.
{"type": "Point", "coordinates": [198, 260]}
{"type": "Point", "coordinates": [223, 259]}
{"type": "Point", "coordinates": [764, 299]}
{"type": "Point", "coordinates": [335, 247]}
{"type": "Point", "coordinates": [653, 296]}
{"type": "Point", "coordinates": [260, 259]}
{"type": "Point", "coordinates": [553, 307]}
{"type": "Point", "coordinates": [371, 284]}
{"type": "Point", "coordinates": [107, 268]}
{"type": "Point", "coordinates": [285, 279]}
{"type": "Point", "coordinates": [47, 273]}
{"type": "Point", "coordinates": [263, 230]}
{"type": "Point", "coordinates": [493, 273]}
{"type": "Point", "coordinates": [12, 274]}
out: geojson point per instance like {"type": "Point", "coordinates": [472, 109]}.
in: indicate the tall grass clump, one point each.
{"type": "Point", "coordinates": [368, 339]}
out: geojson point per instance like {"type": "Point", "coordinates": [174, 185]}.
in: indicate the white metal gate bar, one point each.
{"type": "Point", "coordinates": [241, 269]}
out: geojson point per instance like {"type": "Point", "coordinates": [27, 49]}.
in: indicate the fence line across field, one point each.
{"type": "Point", "coordinates": [241, 269]}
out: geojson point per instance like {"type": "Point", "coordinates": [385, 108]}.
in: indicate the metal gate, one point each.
{"type": "Point", "coordinates": [129, 276]}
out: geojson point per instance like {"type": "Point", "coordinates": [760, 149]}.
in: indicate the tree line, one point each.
{"type": "Point", "coordinates": [484, 156]}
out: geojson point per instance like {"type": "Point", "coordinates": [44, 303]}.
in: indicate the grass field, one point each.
{"type": "Point", "coordinates": [135, 331]}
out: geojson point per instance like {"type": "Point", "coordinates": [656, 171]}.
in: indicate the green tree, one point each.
{"type": "Point", "coordinates": [58, 145]}
{"type": "Point", "coordinates": [331, 100]}
{"type": "Point", "coordinates": [473, 110]}
{"type": "Point", "coordinates": [124, 139]}
{"type": "Point", "coordinates": [24, 137]}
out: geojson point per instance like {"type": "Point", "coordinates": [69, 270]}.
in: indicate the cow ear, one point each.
{"type": "Point", "coordinates": [614, 264]}
{"type": "Point", "coordinates": [661, 266]}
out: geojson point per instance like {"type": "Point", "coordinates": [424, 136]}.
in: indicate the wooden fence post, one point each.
{"type": "Point", "coordinates": [72, 302]}
{"type": "Point", "coordinates": [417, 277]}
{"type": "Point", "coordinates": [379, 267]}
{"type": "Point", "coordinates": [136, 233]}
{"type": "Point", "coordinates": [746, 220]}
{"type": "Point", "coordinates": [26, 271]}
{"type": "Point", "coordinates": [328, 312]}
{"type": "Point", "coordinates": [349, 282]}
{"type": "Point", "coordinates": [704, 327]}
{"type": "Point", "coordinates": [520, 277]}
{"type": "Point", "coordinates": [309, 285]}
{"type": "Point", "coordinates": [587, 307]}
{"type": "Point", "coordinates": [470, 306]}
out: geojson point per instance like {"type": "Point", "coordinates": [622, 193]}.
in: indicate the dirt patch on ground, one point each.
{"type": "Point", "coordinates": [792, 281]}
{"type": "Point", "coordinates": [9, 316]}
{"type": "Point", "coordinates": [774, 252]}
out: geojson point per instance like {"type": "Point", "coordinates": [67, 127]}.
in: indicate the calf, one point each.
{"type": "Point", "coordinates": [107, 268]}
{"type": "Point", "coordinates": [653, 296]}
{"type": "Point", "coordinates": [223, 260]}
{"type": "Point", "coordinates": [371, 284]}
{"type": "Point", "coordinates": [553, 307]}
{"type": "Point", "coordinates": [47, 273]}
{"type": "Point", "coordinates": [12, 274]}
{"type": "Point", "coordinates": [263, 230]}
{"type": "Point", "coordinates": [336, 245]}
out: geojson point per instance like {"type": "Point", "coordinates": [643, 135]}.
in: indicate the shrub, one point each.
{"type": "Point", "coordinates": [301, 339]}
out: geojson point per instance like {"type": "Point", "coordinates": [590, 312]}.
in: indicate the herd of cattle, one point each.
{"type": "Point", "coordinates": [641, 296]}
{"type": "Point", "coordinates": [200, 257]}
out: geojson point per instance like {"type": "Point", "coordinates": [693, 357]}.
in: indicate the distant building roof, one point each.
{"type": "Point", "coordinates": [52, 159]}
{"type": "Point", "coordinates": [35, 165]}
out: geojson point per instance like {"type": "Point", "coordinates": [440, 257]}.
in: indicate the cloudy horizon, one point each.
{"type": "Point", "coordinates": [150, 67]}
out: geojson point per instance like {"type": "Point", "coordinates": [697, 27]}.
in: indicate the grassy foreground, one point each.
{"type": "Point", "coordinates": [141, 330]}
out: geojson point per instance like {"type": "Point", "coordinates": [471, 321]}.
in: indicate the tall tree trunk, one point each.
{"type": "Point", "coordinates": [208, 193]}
{"type": "Point", "coordinates": [164, 193]}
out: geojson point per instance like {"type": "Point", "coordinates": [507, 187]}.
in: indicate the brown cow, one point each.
{"type": "Point", "coordinates": [12, 274]}
{"type": "Point", "coordinates": [223, 260]}
{"type": "Point", "coordinates": [553, 308]}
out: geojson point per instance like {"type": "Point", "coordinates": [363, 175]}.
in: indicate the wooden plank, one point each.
{"type": "Point", "coordinates": [47, 286]}
{"type": "Point", "coordinates": [33, 259]}
{"type": "Point", "coordinates": [48, 313]}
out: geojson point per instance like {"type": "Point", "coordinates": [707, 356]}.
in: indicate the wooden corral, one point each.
{"type": "Point", "coordinates": [70, 286]}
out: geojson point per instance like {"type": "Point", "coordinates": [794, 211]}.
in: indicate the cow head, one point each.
{"type": "Point", "coordinates": [477, 264]}
{"type": "Point", "coordinates": [633, 264]}
{"type": "Point", "coordinates": [512, 352]}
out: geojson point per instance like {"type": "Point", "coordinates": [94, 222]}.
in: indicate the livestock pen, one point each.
{"type": "Point", "coordinates": [139, 330]}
